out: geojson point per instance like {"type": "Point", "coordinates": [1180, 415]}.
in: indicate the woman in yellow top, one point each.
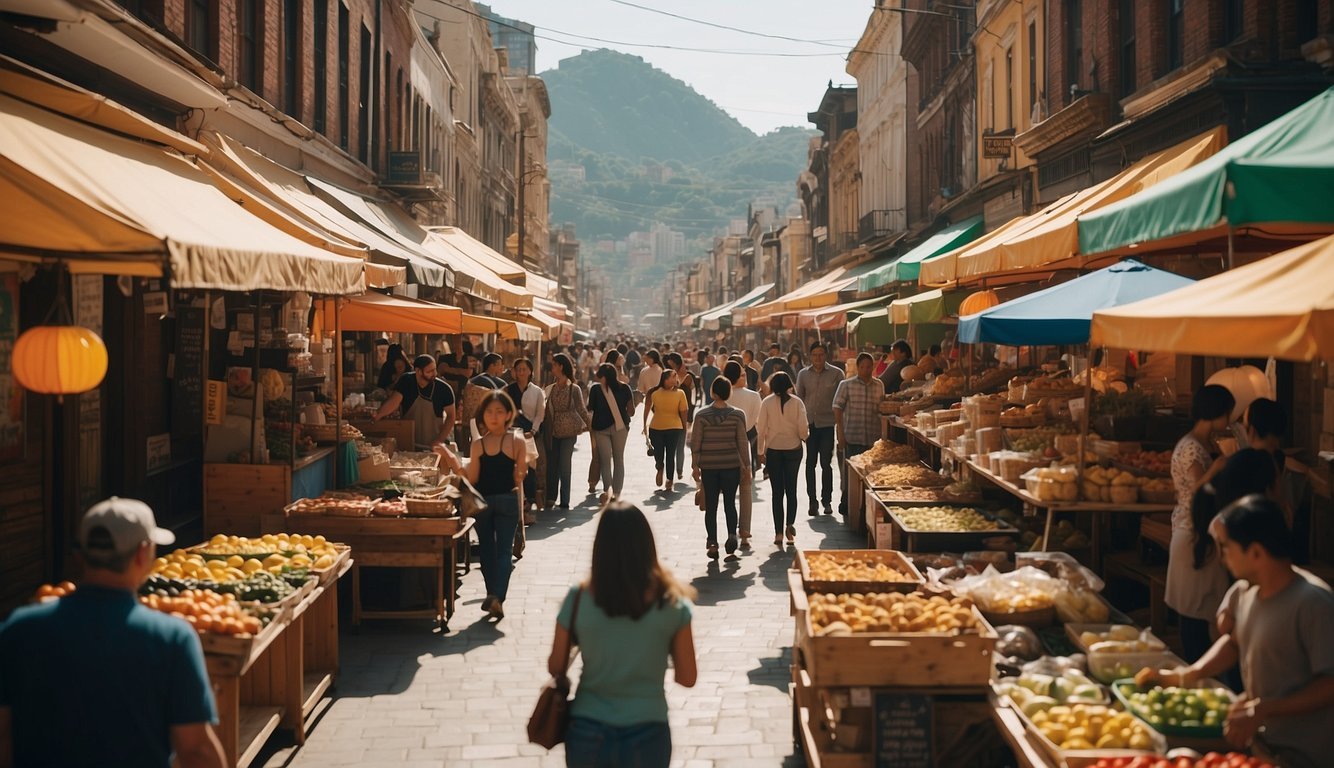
{"type": "Point", "coordinates": [667, 404]}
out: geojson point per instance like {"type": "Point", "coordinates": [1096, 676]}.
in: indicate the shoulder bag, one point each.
{"type": "Point", "coordinates": [551, 716]}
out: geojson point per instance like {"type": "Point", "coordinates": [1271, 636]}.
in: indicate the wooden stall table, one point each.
{"type": "Point", "coordinates": [393, 542]}
{"type": "Point", "coordinates": [1026, 751]}
{"type": "Point", "coordinates": [278, 677]}
{"type": "Point", "coordinates": [856, 490]}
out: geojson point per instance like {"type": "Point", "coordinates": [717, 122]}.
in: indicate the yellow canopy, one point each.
{"type": "Point", "coordinates": [505, 328]}
{"type": "Point", "coordinates": [820, 292]}
{"type": "Point", "coordinates": [1046, 239]}
{"type": "Point", "coordinates": [828, 318]}
{"type": "Point", "coordinates": [376, 313]}
{"type": "Point", "coordinates": [1281, 306]}
{"type": "Point", "coordinates": [73, 190]}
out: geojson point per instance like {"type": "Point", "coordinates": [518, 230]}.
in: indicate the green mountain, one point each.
{"type": "Point", "coordinates": [622, 105]}
{"type": "Point", "coordinates": [652, 149]}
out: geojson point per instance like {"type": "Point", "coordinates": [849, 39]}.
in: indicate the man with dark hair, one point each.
{"type": "Point", "coordinates": [708, 371]}
{"type": "Point", "coordinates": [456, 367]}
{"type": "Point", "coordinates": [901, 356]}
{"type": "Point", "coordinates": [752, 370]}
{"type": "Point", "coordinates": [1277, 622]}
{"type": "Point", "coordinates": [856, 417]}
{"type": "Point", "coordinates": [96, 678]}
{"type": "Point", "coordinates": [774, 362]}
{"type": "Point", "coordinates": [748, 402]}
{"type": "Point", "coordinates": [425, 400]}
{"type": "Point", "coordinates": [816, 385]}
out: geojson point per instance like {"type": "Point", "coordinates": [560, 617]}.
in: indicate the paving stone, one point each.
{"type": "Point", "coordinates": [407, 696]}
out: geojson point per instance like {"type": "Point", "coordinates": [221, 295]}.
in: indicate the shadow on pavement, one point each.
{"type": "Point", "coordinates": [722, 583]}
{"type": "Point", "coordinates": [774, 672]}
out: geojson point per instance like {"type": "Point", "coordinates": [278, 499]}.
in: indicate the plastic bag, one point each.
{"type": "Point", "coordinates": [1024, 589]}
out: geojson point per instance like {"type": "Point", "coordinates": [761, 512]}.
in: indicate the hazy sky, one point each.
{"type": "Point", "coordinates": [763, 92]}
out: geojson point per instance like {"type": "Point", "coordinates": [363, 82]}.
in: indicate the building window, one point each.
{"type": "Point", "coordinates": [320, 51]}
{"type": "Point", "coordinates": [249, 48]}
{"type": "Point", "coordinates": [291, 56]}
{"type": "Point", "coordinates": [1233, 19]}
{"type": "Point", "coordinates": [1009, 88]}
{"type": "Point", "coordinates": [1126, 23]}
{"type": "Point", "coordinates": [1175, 33]}
{"type": "Point", "coordinates": [1074, 44]}
{"type": "Point", "coordinates": [1032, 65]}
{"type": "Point", "coordinates": [344, 94]}
{"type": "Point", "coordinates": [364, 99]}
{"type": "Point", "coordinates": [198, 24]}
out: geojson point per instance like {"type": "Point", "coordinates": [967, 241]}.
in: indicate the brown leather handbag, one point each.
{"type": "Point", "coordinates": [551, 716]}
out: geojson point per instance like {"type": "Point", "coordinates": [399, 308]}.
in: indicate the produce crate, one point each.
{"type": "Point", "coordinates": [1035, 619]}
{"type": "Point", "coordinates": [1086, 756]}
{"type": "Point", "coordinates": [1197, 732]}
{"type": "Point", "coordinates": [908, 539]}
{"type": "Point", "coordinates": [896, 659]}
{"type": "Point", "coordinates": [1073, 631]}
{"type": "Point", "coordinates": [890, 558]}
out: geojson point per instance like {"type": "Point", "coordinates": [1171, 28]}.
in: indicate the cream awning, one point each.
{"type": "Point", "coordinates": [482, 254]}
{"type": "Point", "coordinates": [1049, 239]}
{"type": "Point", "coordinates": [502, 327]}
{"type": "Point", "coordinates": [1281, 306]}
{"type": "Point", "coordinates": [477, 279]}
{"type": "Point", "coordinates": [72, 190]}
{"type": "Point", "coordinates": [378, 313]}
{"type": "Point", "coordinates": [812, 294]}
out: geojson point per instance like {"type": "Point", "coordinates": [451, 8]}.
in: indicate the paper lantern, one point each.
{"type": "Point", "coordinates": [978, 301]}
{"type": "Point", "coordinates": [1246, 383]}
{"type": "Point", "coordinates": [59, 359]}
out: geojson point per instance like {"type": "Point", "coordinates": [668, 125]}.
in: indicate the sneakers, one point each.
{"type": "Point", "coordinates": [712, 551]}
{"type": "Point", "coordinates": [791, 534]}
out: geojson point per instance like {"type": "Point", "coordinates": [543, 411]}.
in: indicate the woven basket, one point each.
{"type": "Point", "coordinates": [418, 507]}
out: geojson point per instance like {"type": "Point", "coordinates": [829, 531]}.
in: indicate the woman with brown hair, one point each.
{"type": "Point", "coordinates": [628, 619]}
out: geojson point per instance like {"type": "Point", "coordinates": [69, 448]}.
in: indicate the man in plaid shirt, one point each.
{"type": "Point", "coordinates": [856, 417]}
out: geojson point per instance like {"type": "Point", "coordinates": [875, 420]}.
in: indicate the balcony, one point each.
{"type": "Point", "coordinates": [876, 224]}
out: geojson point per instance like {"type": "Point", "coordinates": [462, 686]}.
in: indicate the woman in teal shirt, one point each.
{"type": "Point", "coordinates": [629, 618]}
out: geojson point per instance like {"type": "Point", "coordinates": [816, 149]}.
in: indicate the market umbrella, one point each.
{"type": "Point", "coordinates": [1281, 307]}
{"type": "Point", "coordinates": [1062, 314]}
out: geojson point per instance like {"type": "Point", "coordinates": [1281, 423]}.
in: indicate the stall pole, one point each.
{"type": "Point", "coordinates": [255, 404]}
{"type": "Point", "coordinates": [338, 397]}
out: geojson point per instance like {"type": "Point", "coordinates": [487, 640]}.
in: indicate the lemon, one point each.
{"type": "Point", "coordinates": [325, 561]}
{"type": "Point", "coordinates": [252, 566]}
{"type": "Point", "coordinates": [274, 561]}
{"type": "Point", "coordinates": [236, 561]}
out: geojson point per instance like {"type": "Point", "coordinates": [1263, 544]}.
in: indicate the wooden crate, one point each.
{"type": "Point", "coordinates": [906, 539]}
{"type": "Point", "coordinates": [896, 659]}
{"type": "Point", "coordinates": [893, 559]}
{"type": "Point", "coordinates": [236, 495]}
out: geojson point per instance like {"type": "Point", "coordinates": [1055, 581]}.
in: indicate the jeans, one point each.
{"type": "Point", "coordinates": [611, 457]}
{"type": "Point", "coordinates": [591, 744]}
{"type": "Point", "coordinates": [783, 469]}
{"type": "Point", "coordinates": [496, 527]}
{"type": "Point", "coordinates": [716, 482]}
{"type": "Point", "coordinates": [820, 445]}
{"type": "Point", "coordinates": [558, 470]}
{"type": "Point", "coordinates": [681, 452]}
{"type": "Point", "coordinates": [849, 450]}
{"type": "Point", "coordinates": [665, 443]}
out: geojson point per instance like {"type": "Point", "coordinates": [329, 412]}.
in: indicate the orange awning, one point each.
{"type": "Point", "coordinates": [379, 313]}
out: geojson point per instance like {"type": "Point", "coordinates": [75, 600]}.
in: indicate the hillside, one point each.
{"type": "Point", "coordinates": [652, 149]}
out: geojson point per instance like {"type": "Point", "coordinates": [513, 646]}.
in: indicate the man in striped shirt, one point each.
{"type": "Point", "coordinates": [856, 417]}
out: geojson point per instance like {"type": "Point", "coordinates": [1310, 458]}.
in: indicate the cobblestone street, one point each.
{"type": "Point", "coordinates": [407, 697]}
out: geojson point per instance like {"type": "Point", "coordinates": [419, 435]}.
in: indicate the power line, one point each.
{"type": "Point", "coordinates": [724, 26]}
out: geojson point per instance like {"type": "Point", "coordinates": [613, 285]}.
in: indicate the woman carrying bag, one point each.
{"type": "Point", "coordinates": [630, 617]}
{"type": "Point", "coordinates": [613, 405]}
{"type": "Point", "coordinates": [567, 417]}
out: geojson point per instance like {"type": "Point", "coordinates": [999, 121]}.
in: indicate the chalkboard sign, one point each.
{"type": "Point", "coordinates": [903, 730]}
{"type": "Point", "coordinates": [187, 393]}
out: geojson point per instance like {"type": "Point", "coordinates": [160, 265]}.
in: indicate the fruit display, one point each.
{"type": "Point", "coordinates": [209, 611]}
{"type": "Point", "coordinates": [1177, 710]}
{"type": "Point", "coordinates": [1104, 484]}
{"type": "Point", "coordinates": [845, 566]}
{"type": "Point", "coordinates": [296, 549]}
{"type": "Point", "coordinates": [1038, 439]}
{"type": "Point", "coordinates": [885, 452]}
{"type": "Point", "coordinates": [914, 475]}
{"type": "Point", "coordinates": [943, 519]}
{"type": "Point", "coordinates": [1052, 483]}
{"type": "Point", "coordinates": [1119, 638]}
{"type": "Point", "coordinates": [1088, 726]}
{"type": "Point", "coordinates": [48, 592]}
{"type": "Point", "coordinates": [1123, 405]}
{"type": "Point", "coordinates": [390, 508]}
{"type": "Point", "coordinates": [1022, 590]}
{"type": "Point", "coordinates": [1184, 759]}
{"type": "Point", "coordinates": [1152, 462]}
{"type": "Point", "coordinates": [1077, 605]}
{"type": "Point", "coordinates": [1034, 692]}
{"type": "Point", "coordinates": [891, 612]}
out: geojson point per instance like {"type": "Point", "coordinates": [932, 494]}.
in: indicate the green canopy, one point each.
{"type": "Point", "coordinates": [906, 268]}
{"type": "Point", "coordinates": [1280, 174]}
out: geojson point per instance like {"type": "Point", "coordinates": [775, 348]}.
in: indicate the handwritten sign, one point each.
{"type": "Point", "coordinates": [903, 730]}
{"type": "Point", "coordinates": [88, 302]}
{"type": "Point", "coordinates": [215, 402]}
{"type": "Point", "coordinates": [159, 453]}
{"type": "Point", "coordinates": [187, 393]}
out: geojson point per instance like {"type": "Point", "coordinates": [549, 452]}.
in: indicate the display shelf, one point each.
{"type": "Point", "coordinates": [313, 687]}
{"type": "Point", "coordinates": [254, 727]}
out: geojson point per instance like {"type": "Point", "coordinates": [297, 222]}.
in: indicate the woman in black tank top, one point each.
{"type": "Point", "coordinates": [496, 468]}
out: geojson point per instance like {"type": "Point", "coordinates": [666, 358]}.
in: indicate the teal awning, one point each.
{"type": "Point", "coordinates": [712, 319]}
{"type": "Point", "coordinates": [907, 267]}
{"type": "Point", "coordinates": [1281, 174]}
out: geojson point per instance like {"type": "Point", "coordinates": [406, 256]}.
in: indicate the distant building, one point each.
{"type": "Point", "coordinates": [516, 37]}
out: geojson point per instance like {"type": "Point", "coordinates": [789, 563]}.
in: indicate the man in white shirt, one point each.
{"type": "Point", "coordinates": [651, 375]}
{"type": "Point", "coordinates": [748, 401]}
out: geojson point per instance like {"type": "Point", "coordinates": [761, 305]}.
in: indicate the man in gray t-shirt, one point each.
{"type": "Point", "coordinates": [1277, 622]}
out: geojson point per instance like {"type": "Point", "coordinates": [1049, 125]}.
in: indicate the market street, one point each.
{"type": "Point", "coordinates": [407, 697]}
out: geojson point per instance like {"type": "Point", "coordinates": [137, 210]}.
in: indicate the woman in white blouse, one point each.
{"type": "Point", "coordinates": [532, 404]}
{"type": "Point", "coordinates": [781, 430]}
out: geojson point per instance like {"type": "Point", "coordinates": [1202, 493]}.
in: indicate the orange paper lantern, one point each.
{"type": "Point", "coordinates": [978, 301]}
{"type": "Point", "coordinates": [59, 359]}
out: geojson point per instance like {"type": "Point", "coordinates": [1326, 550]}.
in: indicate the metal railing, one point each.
{"type": "Point", "coordinates": [876, 224]}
